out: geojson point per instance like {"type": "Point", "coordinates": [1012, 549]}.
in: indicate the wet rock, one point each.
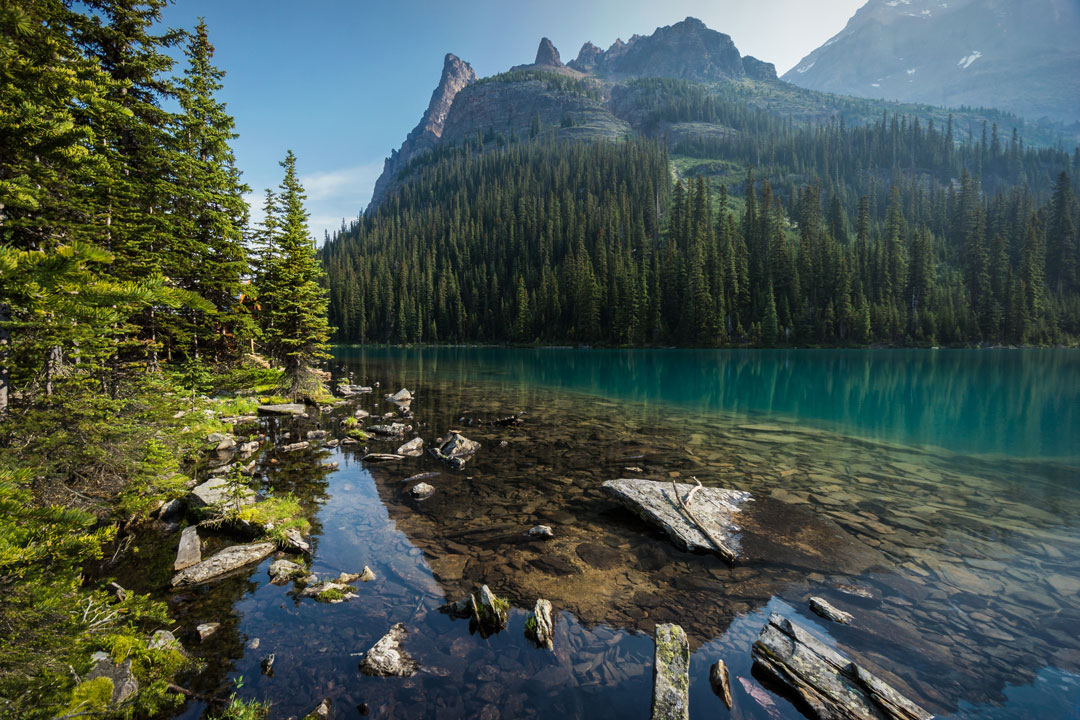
{"type": "Point", "coordinates": [421, 491]}
{"type": "Point", "coordinates": [284, 571]}
{"type": "Point", "coordinates": [296, 542]}
{"type": "Point", "coordinates": [671, 674]}
{"type": "Point", "coordinates": [190, 551]}
{"type": "Point", "coordinates": [716, 509]}
{"type": "Point", "coordinates": [331, 591]}
{"type": "Point", "coordinates": [248, 448]}
{"type": "Point", "coordinates": [387, 658]}
{"type": "Point", "coordinates": [830, 684]}
{"type": "Point", "coordinates": [322, 712]}
{"type": "Point", "coordinates": [215, 492]}
{"type": "Point", "coordinates": [391, 429]}
{"type": "Point", "coordinates": [223, 562]}
{"type": "Point", "coordinates": [293, 447]}
{"type": "Point", "coordinates": [827, 611]}
{"type": "Point", "coordinates": [316, 434]}
{"type": "Point", "coordinates": [456, 450]}
{"type": "Point", "coordinates": [382, 457]}
{"type": "Point", "coordinates": [221, 441]}
{"type": "Point", "coordinates": [542, 532]}
{"type": "Point", "coordinates": [352, 390]}
{"type": "Point", "coordinates": [283, 409]}
{"type": "Point", "coordinates": [422, 476]}
{"type": "Point", "coordinates": [413, 448]}
{"type": "Point", "coordinates": [401, 397]}
{"type": "Point", "coordinates": [539, 626]}
{"type": "Point", "coordinates": [332, 443]}
{"type": "Point", "coordinates": [361, 414]}
{"type": "Point", "coordinates": [487, 610]}
{"type": "Point", "coordinates": [720, 682]}
{"type": "Point", "coordinates": [367, 575]}
{"type": "Point", "coordinates": [205, 630]}
{"type": "Point", "coordinates": [124, 684]}
{"type": "Point", "coordinates": [267, 665]}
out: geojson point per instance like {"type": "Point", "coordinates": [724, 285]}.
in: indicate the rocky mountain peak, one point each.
{"type": "Point", "coordinates": [587, 57]}
{"type": "Point", "coordinates": [456, 74]}
{"type": "Point", "coordinates": [547, 54]}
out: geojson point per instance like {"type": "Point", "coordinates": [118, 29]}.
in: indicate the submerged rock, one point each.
{"type": "Point", "coordinates": [267, 665]}
{"type": "Point", "coordinates": [205, 630]}
{"type": "Point", "coordinates": [721, 682]}
{"type": "Point", "coordinates": [413, 448]}
{"type": "Point", "coordinates": [716, 509]}
{"type": "Point", "coordinates": [829, 683]}
{"type": "Point", "coordinates": [671, 674]}
{"type": "Point", "coordinates": [401, 397]}
{"type": "Point", "coordinates": [283, 409]}
{"type": "Point", "coordinates": [421, 491]}
{"type": "Point", "coordinates": [322, 712]}
{"type": "Point", "coordinates": [827, 611]}
{"type": "Point", "coordinates": [456, 450]}
{"type": "Point", "coordinates": [223, 562]}
{"type": "Point", "coordinates": [387, 658]}
{"type": "Point", "coordinates": [190, 550]}
{"type": "Point", "coordinates": [539, 627]}
{"type": "Point", "coordinates": [543, 532]}
{"type": "Point", "coordinates": [489, 611]}
{"type": "Point", "coordinates": [331, 591]}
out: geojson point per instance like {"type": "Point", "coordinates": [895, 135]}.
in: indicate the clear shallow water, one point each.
{"type": "Point", "coordinates": [972, 555]}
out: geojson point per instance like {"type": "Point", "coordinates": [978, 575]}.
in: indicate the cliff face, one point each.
{"type": "Point", "coordinates": [1016, 55]}
{"type": "Point", "coordinates": [456, 76]}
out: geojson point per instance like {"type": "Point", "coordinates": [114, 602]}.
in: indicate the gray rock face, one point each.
{"type": "Point", "coordinates": [540, 626]}
{"type": "Point", "coordinates": [758, 69]}
{"type": "Point", "coordinates": [190, 551]}
{"type": "Point", "coordinates": [283, 409]}
{"type": "Point", "coordinates": [223, 562]}
{"type": "Point", "coordinates": [587, 58]}
{"type": "Point", "coordinates": [1017, 55]}
{"type": "Point", "coordinates": [827, 611]}
{"type": "Point", "coordinates": [124, 683]}
{"type": "Point", "coordinates": [215, 492]}
{"type": "Point", "coordinates": [831, 685]}
{"type": "Point", "coordinates": [671, 674]}
{"type": "Point", "coordinates": [282, 571]}
{"type": "Point", "coordinates": [456, 75]}
{"type": "Point", "coordinates": [716, 508]}
{"type": "Point", "coordinates": [548, 55]}
{"type": "Point", "coordinates": [387, 658]}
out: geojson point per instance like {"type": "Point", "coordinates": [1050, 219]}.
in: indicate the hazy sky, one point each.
{"type": "Point", "coordinates": [342, 82]}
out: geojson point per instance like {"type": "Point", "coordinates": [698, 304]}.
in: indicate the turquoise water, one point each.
{"type": "Point", "coordinates": [1019, 403]}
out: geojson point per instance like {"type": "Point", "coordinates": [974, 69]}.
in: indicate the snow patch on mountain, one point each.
{"type": "Point", "coordinates": [965, 62]}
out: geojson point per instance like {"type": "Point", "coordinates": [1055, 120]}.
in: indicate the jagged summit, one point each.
{"type": "Point", "coordinates": [548, 55]}
{"type": "Point", "coordinates": [456, 75]}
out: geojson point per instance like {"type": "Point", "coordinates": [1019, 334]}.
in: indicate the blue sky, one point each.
{"type": "Point", "coordinates": [341, 83]}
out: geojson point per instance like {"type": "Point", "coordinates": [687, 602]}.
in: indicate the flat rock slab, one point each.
{"type": "Point", "coordinates": [217, 491]}
{"type": "Point", "coordinates": [715, 508]}
{"type": "Point", "coordinates": [190, 551]}
{"type": "Point", "coordinates": [223, 562]}
{"type": "Point", "coordinates": [756, 529]}
{"type": "Point", "coordinates": [671, 674]}
{"type": "Point", "coordinates": [387, 658]}
{"type": "Point", "coordinates": [283, 409]}
{"type": "Point", "coordinates": [830, 685]}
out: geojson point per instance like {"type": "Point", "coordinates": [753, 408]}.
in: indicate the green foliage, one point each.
{"type": "Point", "coordinates": [277, 515]}
{"type": "Point", "coordinates": [91, 697]}
{"type": "Point", "coordinates": [330, 595]}
{"type": "Point", "coordinates": [239, 709]}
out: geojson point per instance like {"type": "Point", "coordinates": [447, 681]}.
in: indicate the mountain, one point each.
{"type": "Point", "coordinates": [1021, 56]}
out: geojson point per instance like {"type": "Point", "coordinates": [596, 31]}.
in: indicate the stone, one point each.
{"type": "Point", "coordinates": [421, 491]}
{"type": "Point", "coordinates": [716, 508]}
{"type": "Point", "coordinates": [361, 414]}
{"type": "Point", "coordinates": [205, 630]}
{"type": "Point", "coordinates": [387, 658]}
{"type": "Point", "coordinates": [220, 563]}
{"type": "Point", "coordinates": [283, 571]}
{"type": "Point", "coordinates": [485, 608]}
{"type": "Point", "coordinates": [221, 441]}
{"type": "Point", "coordinates": [721, 682]}
{"type": "Point", "coordinates": [124, 684]}
{"type": "Point", "coordinates": [164, 640]}
{"type": "Point", "coordinates": [401, 397]}
{"type": "Point", "coordinates": [190, 551]}
{"type": "Point", "coordinates": [283, 409]}
{"type": "Point", "coordinates": [539, 626]}
{"type": "Point", "coordinates": [671, 674]}
{"type": "Point", "coordinates": [266, 665]}
{"type": "Point", "coordinates": [827, 611]}
{"type": "Point", "coordinates": [293, 447]}
{"type": "Point", "coordinates": [831, 685]}
{"type": "Point", "coordinates": [367, 575]}
{"type": "Point", "coordinates": [171, 510]}
{"type": "Point", "coordinates": [215, 492]}
{"type": "Point", "coordinates": [330, 591]}
{"type": "Point", "coordinates": [296, 542]}
{"type": "Point", "coordinates": [456, 450]}
{"type": "Point", "coordinates": [382, 457]}
{"type": "Point", "coordinates": [316, 435]}
{"type": "Point", "coordinates": [322, 712]}
{"type": "Point", "coordinates": [392, 429]}
{"type": "Point", "coordinates": [422, 476]}
{"type": "Point", "coordinates": [413, 448]}
{"type": "Point", "coordinates": [542, 532]}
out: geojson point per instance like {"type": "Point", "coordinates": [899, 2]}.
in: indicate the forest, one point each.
{"type": "Point", "coordinates": [892, 232]}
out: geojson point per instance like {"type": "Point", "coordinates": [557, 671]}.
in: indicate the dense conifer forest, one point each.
{"type": "Point", "coordinates": [895, 231]}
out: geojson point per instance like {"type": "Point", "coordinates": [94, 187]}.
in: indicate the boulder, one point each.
{"type": "Point", "coordinates": [830, 685]}
{"type": "Point", "coordinates": [391, 430]}
{"type": "Point", "coordinates": [171, 510]}
{"type": "Point", "coordinates": [716, 509]}
{"type": "Point", "coordinates": [124, 684]}
{"type": "Point", "coordinates": [413, 448]}
{"type": "Point", "coordinates": [721, 682]}
{"type": "Point", "coordinates": [283, 571]}
{"type": "Point", "coordinates": [367, 575]}
{"type": "Point", "coordinates": [352, 390]}
{"type": "Point", "coordinates": [401, 397]}
{"type": "Point", "coordinates": [331, 591]}
{"type": "Point", "coordinates": [295, 541]}
{"type": "Point", "coordinates": [827, 611]}
{"type": "Point", "coordinates": [456, 450]}
{"type": "Point", "coordinates": [223, 562]}
{"type": "Point", "coordinates": [387, 658]}
{"type": "Point", "coordinates": [671, 674]}
{"type": "Point", "coordinates": [190, 551]}
{"type": "Point", "coordinates": [421, 491]}
{"type": "Point", "coordinates": [485, 608]}
{"type": "Point", "coordinates": [543, 532]}
{"type": "Point", "coordinates": [316, 434]}
{"type": "Point", "coordinates": [283, 409]}
{"type": "Point", "coordinates": [221, 441]}
{"type": "Point", "coordinates": [215, 492]}
{"type": "Point", "coordinates": [539, 626]}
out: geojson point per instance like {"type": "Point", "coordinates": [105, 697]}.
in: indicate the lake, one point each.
{"type": "Point", "coordinates": [949, 482]}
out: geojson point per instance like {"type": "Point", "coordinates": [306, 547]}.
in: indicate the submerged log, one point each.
{"type": "Point", "coordinates": [830, 685]}
{"type": "Point", "coordinates": [671, 674]}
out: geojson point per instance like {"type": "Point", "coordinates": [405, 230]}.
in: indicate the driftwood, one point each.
{"type": "Point", "coordinates": [685, 505]}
